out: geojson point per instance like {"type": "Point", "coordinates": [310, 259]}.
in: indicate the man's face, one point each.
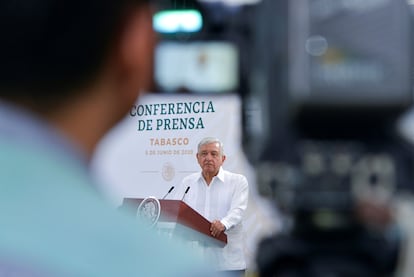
{"type": "Point", "coordinates": [210, 159]}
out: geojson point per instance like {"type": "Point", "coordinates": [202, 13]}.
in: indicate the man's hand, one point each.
{"type": "Point", "coordinates": [216, 228]}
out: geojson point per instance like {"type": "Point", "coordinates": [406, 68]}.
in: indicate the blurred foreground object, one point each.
{"type": "Point", "coordinates": [70, 71]}
{"type": "Point", "coordinates": [329, 81]}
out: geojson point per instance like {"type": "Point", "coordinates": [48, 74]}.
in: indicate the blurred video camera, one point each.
{"type": "Point", "coordinates": [330, 79]}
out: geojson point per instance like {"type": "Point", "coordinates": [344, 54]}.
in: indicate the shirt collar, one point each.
{"type": "Point", "coordinates": [220, 175]}
{"type": "Point", "coordinates": [20, 126]}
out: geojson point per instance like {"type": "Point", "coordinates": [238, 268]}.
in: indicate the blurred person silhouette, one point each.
{"type": "Point", "coordinates": [221, 197]}
{"type": "Point", "coordinates": [69, 71]}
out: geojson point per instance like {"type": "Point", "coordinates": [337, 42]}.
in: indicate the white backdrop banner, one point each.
{"type": "Point", "coordinates": [155, 147]}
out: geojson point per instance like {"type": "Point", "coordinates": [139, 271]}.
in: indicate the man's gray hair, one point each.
{"type": "Point", "coordinates": [209, 140]}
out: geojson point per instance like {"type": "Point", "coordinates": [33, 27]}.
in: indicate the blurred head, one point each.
{"type": "Point", "coordinates": [210, 155]}
{"type": "Point", "coordinates": [52, 50]}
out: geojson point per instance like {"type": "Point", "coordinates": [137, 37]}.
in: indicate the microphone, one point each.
{"type": "Point", "coordinates": [168, 192]}
{"type": "Point", "coordinates": [188, 188]}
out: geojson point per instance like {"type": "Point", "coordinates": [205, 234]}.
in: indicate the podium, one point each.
{"type": "Point", "coordinates": [180, 219]}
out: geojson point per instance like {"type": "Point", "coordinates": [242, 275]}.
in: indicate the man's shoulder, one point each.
{"type": "Point", "coordinates": [233, 174]}
{"type": "Point", "coordinates": [70, 224]}
{"type": "Point", "coordinates": [192, 176]}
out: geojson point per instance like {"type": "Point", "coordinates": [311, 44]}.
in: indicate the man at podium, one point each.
{"type": "Point", "coordinates": [221, 197]}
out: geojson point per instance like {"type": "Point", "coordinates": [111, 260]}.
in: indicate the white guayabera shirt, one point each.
{"type": "Point", "coordinates": [224, 199]}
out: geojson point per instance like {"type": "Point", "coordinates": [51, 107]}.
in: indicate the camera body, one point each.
{"type": "Point", "coordinates": [329, 81]}
{"type": "Point", "coordinates": [319, 64]}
